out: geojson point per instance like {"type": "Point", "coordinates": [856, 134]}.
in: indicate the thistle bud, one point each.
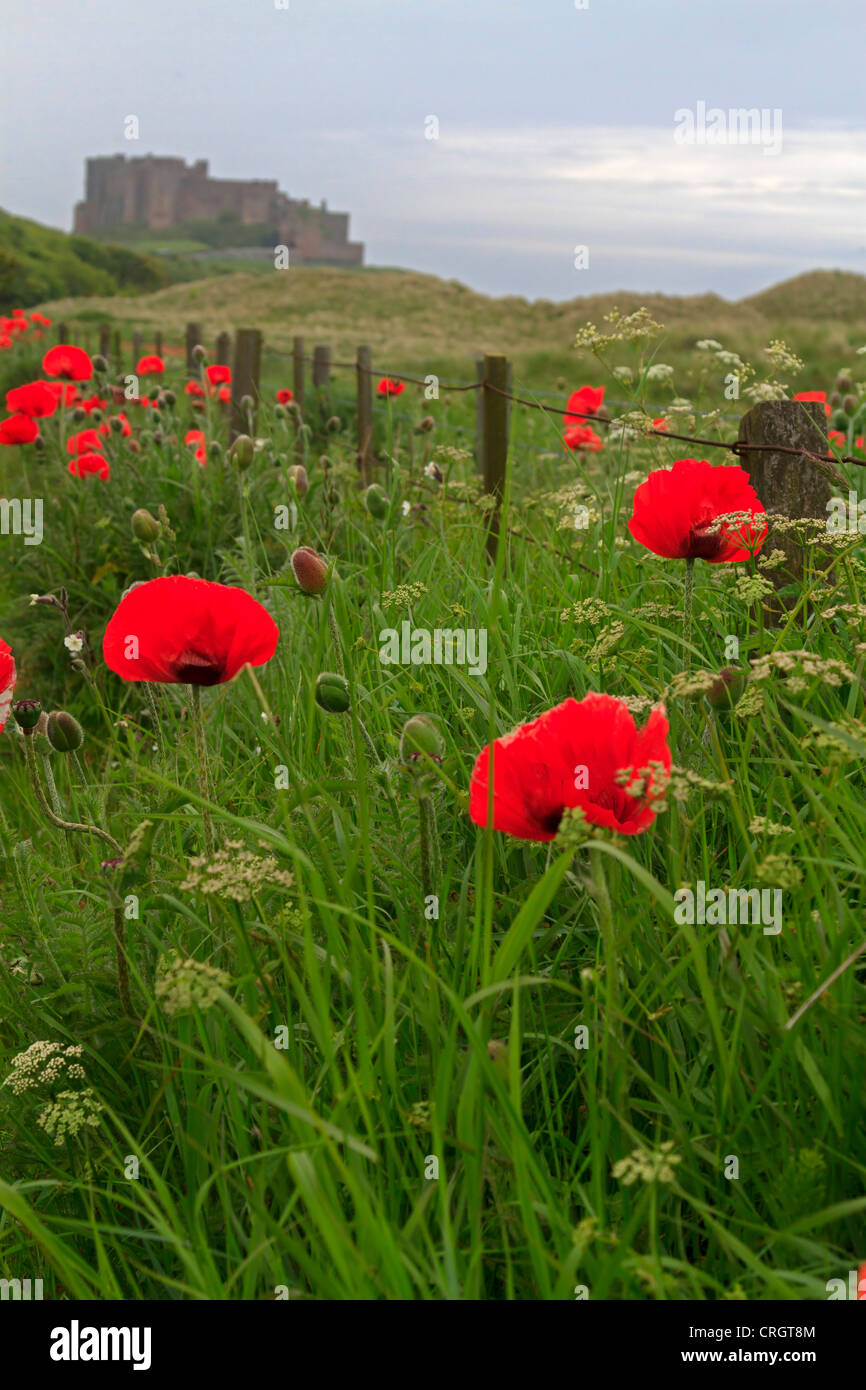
{"type": "Point", "coordinates": [420, 738]}
{"type": "Point", "coordinates": [64, 732]}
{"type": "Point", "coordinates": [241, 453]}
{"type": "Point", "coordinates": [298, 475]}
{"type": "Point", "coordinates": [332, 693]}
{"type": "Point", "coordinates": [426, 425]}
{"type": "Point", "coordinates": [727, 688]}
{"type": "Point", "coordinates": [145, 526]}
{"type": "Point", "coordinates": [27, 714]}
{"type": "Point", "coordinates": [376, 501]}
{"type": "Point", "coordinates": [310, 570]}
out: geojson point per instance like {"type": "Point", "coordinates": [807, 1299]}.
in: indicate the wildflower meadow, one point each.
{"type": "Point", "coordinates": [417, 891]}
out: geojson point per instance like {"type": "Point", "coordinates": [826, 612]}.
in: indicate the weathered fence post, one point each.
{"type": "Point", "coordinates": [62, 330]}
{"type": "Point", "coordinates": [116, 360]}
{"type": "Point", "coordinates": [321, 379]}
{"type": "Point", "coordinates": [223, 350]}
{"type": "Point", "coordinates": [494, 439]}
{"type": "Point", "coordinates": [136, 349]}
{"type": "Point", "coordinates": [158, 343]}
{"type": "Point", "coordinates": [790, 485]}
{"type": "Point", "coordinates": [298, 387]}
{"type": "Point", "coordinates": [479, 412]}
{"type": "Point", "coordinates": [193, 338]}
{"type": "Point", "coordinates": [365, 411]}
{"type": "Point", "coordinates": [245, 381]}
{"type": "Point", "coordinates": [105, 341]}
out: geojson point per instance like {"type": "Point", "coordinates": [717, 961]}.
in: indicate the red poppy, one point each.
{"type": "Point", "coordinates": [861, 1283]}
{"type": "Point", "coordinates": [194, 437]}
{"type": "Point", "coordinates": [584, 753]}
{"type": "Point", "coordinates": [71, 363]}
{"type": "Point", "coordinates": [85, 464]}
{"type": "Point", "coordinates": [94, 402]}
{"type": "Point", "coordinates": [177, 630]}
{"type": "Point", "coordinates": [224, 394]}
{"type": "Point", "coordinates": [7, 680]}
{"type": "Point", "coordinates": [150, 366]}
{"type": "Point", "coordinates": [14, 325]}
{"type": "Point", "coordinates": [5, 340]}
{"type": "Point", "coordinates": [194, 388]}
{"type": "Point", "coordinates": [64, 392]}
{"type": "Point", "coordinates": [34, 399]}
{"type": "Point", "coordinates": [200, 455]}
{"type": "Point", "coordinates": [218, 373]}
{"type": "Point", "coordinates": [41, 320]}
{"type": "Point", "coordinates": [814, 396]}
{"type": "Point", "coordinates": [387, 387]}
{"type": "Point", "coordinates": [585, 401]}
{"type": "Point", "coordinates": [125, 426]}
{"type": "Point", "coordinates": [858, 442]}
{"type": "Point", "coordinates": [83, 442]}
{"type": "Point", "coordinates": [660, 424]}
{"type": "Point", "coordinates": [837, 437]}
{"type": "Point", "coordinates": [18, 429]}
{"type": "Point", "coordinates": [284, 395]}
{"type": "Point", "coordinates": [676, 513]}
{"type": "Point", "coordinates": [583, 437]}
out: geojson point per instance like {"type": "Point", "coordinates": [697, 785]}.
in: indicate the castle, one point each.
{"type": "Point", "coordinates": [163, 193]}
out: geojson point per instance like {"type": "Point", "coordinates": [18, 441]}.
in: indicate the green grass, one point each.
{"type": "Point", "coordinates": [307, 1167]}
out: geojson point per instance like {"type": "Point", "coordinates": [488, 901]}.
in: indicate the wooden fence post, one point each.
{"type": "Point", "coordinates": [116, 361]}
{"type": "Point", "coordinates": [223, 350]}
{"type": "Point", "coordinates": [494, 439]}
{"type": "Point", "coordinates": [365, 411]}
{"type": "Point", "coordinates": [321, 379]}
{"type": "Point", "coordinates": [193, 338]}
{"type": "Point", "coordinates": [105, 341]}
{"type": "Point", "coordinates": [787, 484]}
{"type": "Point", "coordinates": [62, 330]}
{"type": "Point", "coordinates": [245, 381]}
{"type": "Point", "coordinates": [298, 396]}
{"type": "Point", "coordinates": [136, 349]}
{"type": "Point", "coordinates": [479, 413]}
{"type": "Point", "coordinates": [158, 343]}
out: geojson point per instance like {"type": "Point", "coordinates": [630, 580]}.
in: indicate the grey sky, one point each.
{"type": "Point", "coordinates": [556, 126]}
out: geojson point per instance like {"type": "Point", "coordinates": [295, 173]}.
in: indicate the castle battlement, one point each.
{"type": "Point", "coordinates": [163, 192]}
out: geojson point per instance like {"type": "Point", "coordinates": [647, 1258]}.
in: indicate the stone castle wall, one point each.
{"type": "Point", "coordinates": [163, 192]}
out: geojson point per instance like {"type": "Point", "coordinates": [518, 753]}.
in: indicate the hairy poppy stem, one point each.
{"type": "Point", "coordinates": [201, 759]}
{"type": "Point", "coordinates": [430, 859]}
{"type": "Point", "coordinates": [688, 605]}
{"type": "Point", "coordinates": [122, 967]}
{"type": "Point", "coordinates": [49, 813]}
{"type": "Point", "coordinates": [150, 693]}
{"type": "Point", "coordinates": [54, 799]}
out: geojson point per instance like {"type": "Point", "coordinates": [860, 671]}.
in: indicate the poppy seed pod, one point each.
{"type": "Point", "coordinates": [376, 501]}
{"type": "Point", "coordinates": [64, 732]}
{"type": "Point", "coordinates": [420, 737]}
{"type": "Point", "coordinates": [241, 453]}
{"type": "Point", "coordinates": [727, 688]}
{"type": "Point", "coordinates": [145, 526]}
{"type": "Point", "coordinates": [310, 570]}
{"type": "Point", "coordinates": [27, 714]}
{"type": "Point", "coordinates": [332, 693]}
{"type": "Point", "coordinates": [298, 476]}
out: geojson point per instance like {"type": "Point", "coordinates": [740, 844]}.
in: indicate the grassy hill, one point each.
{"type": "Point", "coordinates": [412, 319]}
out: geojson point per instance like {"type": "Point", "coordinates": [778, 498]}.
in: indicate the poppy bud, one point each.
{"type": "Point", "coordinates": [145, 527]}
{"type": "Point", "coordinates": [332, 693]}
{"type": "Point", "coordinates": [840, 420]}
{"type": "Point", "coordinates": [116, 424]}
{"type": "Point", "coordinates": [170, 398]}
{"type": "Point", "coordinates": [298, 476]}
{"type": "Point", "coordinates": [279, 412]}
{"type": "Point", "coordinates": [241, 453]}
{"type": "Point", "coordinates": [198, 353]}
{"type": "Point", "coordinates": [849, 403]}
{"type": "Point", "coordinates": [843, 382]}
{"type": "Point", "coordinates": [39, 444]}
{"type": "Point", "coordinates": [727, 688]}
{"type": "Point", "coordinates": [311, 571]}
{"type": "Point", "coordinates": [334, 424]}
{"type": "Point", "coordinates": [419, 737]}
{"type": "Point", "coordinates": [292, 408]}
{"type": "Point", "coordinates": [99, 363]}
{"type": "Point", "coordinates": [426, 425]}
{"type": "Point", "coordinates": [835, 398]}
{"type": "Point", "coordinates": [214, 449]}
{"type": "Point", "coordinates": [78, 415]}
{"type": "Point", "coordinates": [27, 714]}
{"type": "Point", "coordinates": [324, 461]}
{"type": "Point", "coordinates": [97, 416]}
{"type": "Point", "coordinates": [158, 437]}
{"type": "Point", "coordinates": [376, 501]}
{"type": "Point", "coordinates": [246, 402]}
{"type": "Point", "coordinates": [64, 732]}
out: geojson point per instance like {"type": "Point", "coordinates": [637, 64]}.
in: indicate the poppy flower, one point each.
{"type": "Point", "coordinates": [194, 437]}
{"type": "Point", "coordinates": [284, 395]}
{"type": "Point", "coordinates": [177, 630]}
{"type": "Point", "coordinates": [42, 321]}
{"type": "Point", "coordinates": [582, 437]}
{"type": "Point", "coordinates": [660, 424]}
{"type": "Point", "coordinates": [34, 399]}
{"type": "Point", "coordinates": [194, 388]}
{"type": "Point", "coordinates": [200, 455]}
{"type": "Point", "coordinates": [70, 363]}
{"type": "Point", "coordinates": [585, 401]}
{"type": "Point", "coordinates": [387, 387]}
{"type": "Point", "coordinates": [677, 513]}
{"type": "Point", "coordinates": [150, 366]}
{"type": "Point", "coordinates": [86, 464]}
{"type": "Point", "coordinates": [7, 680]}
{"type": "Point", "coordinates": [858, 442]}
{"type": "Point", "coordinates": [218, 373]}
{"type": "Point", "coordinates": [5, 341]}
{"type": "Point", "coordinates": [586, 753]}
{"type": "Point", "coordinates": [94, 402]}
{"type": "Point", "coordinates": [84, 442]}
{"type": "Point", "coordinates": [125, 426]}
{"type": "Point", "coordinates": [224, 394]}
{"type": "Point", "coordinates": [837, 437]}
{"type": "Point", "coordinates": [64, 392]}
{"type": "Point", "coordinates": [861, 1283]}
{"type": "Point", "coordinates": [18, 429]}
{"type": "Point", "coordinates": [814, 396]}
